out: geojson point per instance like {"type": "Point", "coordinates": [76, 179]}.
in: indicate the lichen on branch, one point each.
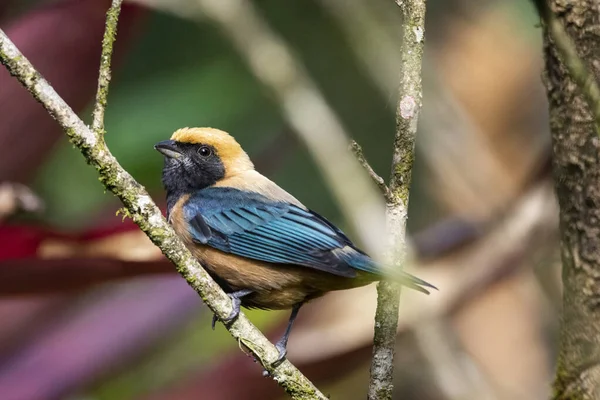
{"type": "Point", "coordinates": [104, 75]}
{"type": "Point", "coordinates": [407, 114]}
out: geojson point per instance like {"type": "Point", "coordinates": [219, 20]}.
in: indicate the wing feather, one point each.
{"type": "Point", "coordinates": [251, 225]}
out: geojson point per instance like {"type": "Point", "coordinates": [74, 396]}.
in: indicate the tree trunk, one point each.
{"type": "Point", "coordinates": [576, 157]}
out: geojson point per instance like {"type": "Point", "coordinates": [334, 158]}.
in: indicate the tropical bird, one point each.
{"type": "Point", "coordinates": [259, 243]}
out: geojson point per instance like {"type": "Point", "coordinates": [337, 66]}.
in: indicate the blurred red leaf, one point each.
{"type": "Point", "coordinates": [36, 260]}
{"type": "Point", "coordinates": [36, 276]}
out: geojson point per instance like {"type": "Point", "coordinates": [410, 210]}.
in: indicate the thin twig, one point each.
{"type": "Point", "coordinates": [110, 34]}
{"type": "Point", "coordinates": [409, 105]}
{"type": "Point", "coordinates": [578, 70]}
{"type": "Point", "coordinates": [358, 152]}
{"type": "Point", "coordinates": [144, 212]}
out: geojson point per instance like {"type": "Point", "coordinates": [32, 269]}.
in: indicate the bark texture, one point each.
{"type": "Point", "coordinates": [407, 115]}
{"type": "Point", "coordinates": [576, 153]}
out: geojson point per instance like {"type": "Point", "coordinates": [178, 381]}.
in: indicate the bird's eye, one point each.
{"type": "Point", "coordinates": [204, 151]}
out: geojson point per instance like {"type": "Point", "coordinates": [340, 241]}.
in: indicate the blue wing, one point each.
{"type": "Point", "coordinates": [252, 226]}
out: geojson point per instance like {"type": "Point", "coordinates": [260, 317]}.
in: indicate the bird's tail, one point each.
{"type": "Point", "coordinates": [411, 281]}
{"type": "Point", "coordinates": [363, 262]}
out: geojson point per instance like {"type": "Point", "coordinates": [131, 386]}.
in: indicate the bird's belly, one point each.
{"type": "Point", "coordinates": [275, 286]}
{"type": "Point", "coordinates": [281, 299]}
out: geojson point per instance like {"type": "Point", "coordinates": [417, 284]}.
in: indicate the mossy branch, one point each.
{"type": "Point", "coordinates": [104, 75]}
{"type": "Point", "coordinates": [409, 105]}
{"type": "Point", "coordinates": [578, 70]}
{"type": "Point", "coordinates": [149, 218]}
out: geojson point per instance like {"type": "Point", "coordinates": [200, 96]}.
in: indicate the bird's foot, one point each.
{"type": "Point", "coordinates": [281, 346]}
{"type": "Point", "coordinates": [236, 300]}
{"type": "Point", "coordinates": [233, 315]}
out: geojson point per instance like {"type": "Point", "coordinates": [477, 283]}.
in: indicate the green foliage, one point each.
{"type": "Point", "coordinates": [147, 102]}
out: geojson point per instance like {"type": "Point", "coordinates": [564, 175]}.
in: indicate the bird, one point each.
{"type": "Point", "coordinates": [261, 245]}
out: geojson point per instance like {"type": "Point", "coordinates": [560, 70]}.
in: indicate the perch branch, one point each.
{"type": "Point", "coordinates": [409, 104]}
{"type": "Point", "coordinates": [110, 34]}
{"type": "Point", "coordinates": [358, 152]}
{"type": "Point", "coordinates": [148, 217]}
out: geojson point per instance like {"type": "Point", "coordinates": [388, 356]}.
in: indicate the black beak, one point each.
{"type": "Point", "coordinates": [168, 148]}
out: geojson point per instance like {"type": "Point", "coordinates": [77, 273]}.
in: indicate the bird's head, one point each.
{"type": "Point", "coordinates": [196, 158]}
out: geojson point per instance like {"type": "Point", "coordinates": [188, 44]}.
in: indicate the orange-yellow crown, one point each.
{"type": "Point", "coordinates": [233, 157]}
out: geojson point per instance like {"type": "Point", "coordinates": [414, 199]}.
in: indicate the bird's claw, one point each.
{"type": "Point", "coordinates": [235, 312]}
{"type": "Point", "coordinates": [281, 347]}
{"type": "Point", "coordinates": [232, 315]}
